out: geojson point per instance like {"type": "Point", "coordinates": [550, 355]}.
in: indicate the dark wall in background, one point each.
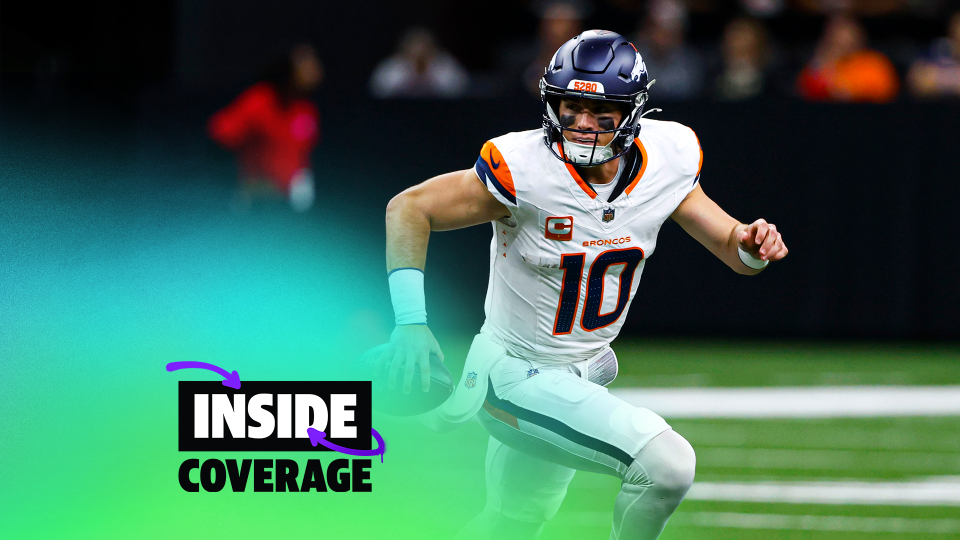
{"type": "Point", "coordinates": [865, 196]}
{"type": "Point", "coordinates": [106, 47]}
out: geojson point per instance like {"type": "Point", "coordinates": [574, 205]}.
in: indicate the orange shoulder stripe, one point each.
{"type": "Point", "coordinates": [700, 165]}
{"type": "Point", "coordinates": [643, 166]}
{"type": "Point", "coordinates": [498, 166]}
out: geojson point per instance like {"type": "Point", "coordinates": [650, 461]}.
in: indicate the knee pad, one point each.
{"type": "Point", "coordinates": [667, 462]}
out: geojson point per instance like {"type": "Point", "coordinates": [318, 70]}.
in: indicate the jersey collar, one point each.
{"type": "Point", "coordinates": [576, 176]}
{"type": "Point", "coordinates": [643, 166]}
{"type": "Point", "coordinates": [634, 169]}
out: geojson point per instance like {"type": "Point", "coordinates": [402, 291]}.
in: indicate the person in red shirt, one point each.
{"type": "Point", "coordinates": [273, 127]}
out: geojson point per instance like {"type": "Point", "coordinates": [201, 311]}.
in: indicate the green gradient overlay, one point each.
{"type": "Point", "coordinates": [89, 427]}
{"type": "Point", "coordinates": [102, 284]}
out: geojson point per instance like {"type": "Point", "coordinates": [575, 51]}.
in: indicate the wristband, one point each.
{"type": "Point", "coordinates": [750, 260]}
{"type": "Point", "coordinates": [406, 293]}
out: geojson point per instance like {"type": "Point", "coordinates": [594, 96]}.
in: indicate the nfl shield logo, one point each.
{"type": "Point", "coordinates": [471, 379]}
{"type": "Point", "coordinates": [608, 214]}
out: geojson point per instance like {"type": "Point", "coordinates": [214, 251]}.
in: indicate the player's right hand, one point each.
{"type": "Point", "coordinates": [763, 241]}
{"type": "Point", "coordinates": [410, 345]}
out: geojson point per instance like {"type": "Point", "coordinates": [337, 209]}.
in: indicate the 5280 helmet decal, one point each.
{"type": "Point", "coordinates": [599, 65]}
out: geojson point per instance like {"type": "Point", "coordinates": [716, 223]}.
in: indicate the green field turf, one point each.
{"type": "Point", "coordinates": [844, 449]}
{"type": "Point", "coordinates": [865, 449]}
{"type": "Point", "coordinates": [728, 363]}
{"type": "Point", "coordinates": [848, 449]}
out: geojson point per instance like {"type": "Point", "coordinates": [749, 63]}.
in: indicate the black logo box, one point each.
{"type": "Point", "coordinates": [362, 413]}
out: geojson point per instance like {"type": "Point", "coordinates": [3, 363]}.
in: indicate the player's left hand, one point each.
{"type": "Point", "coordinates": [410, 345]}
{"type": "Point", "coordinates": [763, 241]}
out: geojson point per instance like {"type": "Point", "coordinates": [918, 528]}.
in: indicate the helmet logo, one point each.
{"type": "Point", "coordinates": [585, 86]}
{"type": "Point", "coordinates": [639, 68]}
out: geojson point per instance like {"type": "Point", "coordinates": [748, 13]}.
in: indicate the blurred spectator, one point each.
{"type": "Point", "coordinates": [844, 69]}
{"type": "Point", "coordinates": [676, 66]}
{"type": "Point", "coordinates": [868, 8]}
{"type": "Point", "coordinates": [419, 69]}
{"type": "Point", "coordinates": [273, 127]}
{"type": "Point", "coordinates": [939, 74]}
{"type": "Point", "coordinates": [745, 58]}
{"type": "Point", "coordinates": [559, 22]}
{"type": "Point", "coordinates": [763, 8]}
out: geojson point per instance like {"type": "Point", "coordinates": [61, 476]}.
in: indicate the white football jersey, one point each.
{"type": "Point", "coordinates": [566, 265]}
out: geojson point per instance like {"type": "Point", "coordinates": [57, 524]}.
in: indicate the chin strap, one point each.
{"type": "Point", "coordinates": [585, 154]}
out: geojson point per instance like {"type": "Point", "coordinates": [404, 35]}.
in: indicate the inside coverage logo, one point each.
{"type": "Point", "coordinates": [276, 416]}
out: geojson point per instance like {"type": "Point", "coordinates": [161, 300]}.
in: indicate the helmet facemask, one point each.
{"type": "Point", "coordinates": [585, 154]}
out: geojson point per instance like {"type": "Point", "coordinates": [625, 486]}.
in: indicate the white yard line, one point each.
{"type": "Point", "coordinates": [834, 460]}
{"type": "Point", "coordinates": [936, 491]}
{"type": "Point", "coordinates": [906, 435]}
{"type": "Point", "coordinates": [735, 520]}
{"type": "Point", "coordinates": [798, 522]}
{"type": "Point", "coordinates": [796, 402]}
{"type": "Point", "coordinates": [810, 402]}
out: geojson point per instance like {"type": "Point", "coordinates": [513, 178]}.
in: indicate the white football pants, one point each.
{"type": "Point", "coordinates": [546, 422]}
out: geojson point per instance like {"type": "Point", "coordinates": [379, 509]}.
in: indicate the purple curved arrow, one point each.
{"type": "Point", "coordinates": [231, 379]}
{"type": "Point", "coordinates": [319, 437]}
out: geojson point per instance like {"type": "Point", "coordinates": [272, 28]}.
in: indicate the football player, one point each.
{"type": "Point", "coordinates": [576, 208]}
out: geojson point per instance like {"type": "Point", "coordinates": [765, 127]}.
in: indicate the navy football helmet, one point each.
{"type": "Point", "coordinates": [599, 65]}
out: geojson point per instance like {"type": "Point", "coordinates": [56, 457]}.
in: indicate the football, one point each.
{"type": "Point", "coordinates": [392, 400]}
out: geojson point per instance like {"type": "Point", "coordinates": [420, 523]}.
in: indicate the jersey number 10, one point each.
{"type": "Point", "coordinates": [592, 319]}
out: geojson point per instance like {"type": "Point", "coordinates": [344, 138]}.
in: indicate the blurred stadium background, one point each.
{"type": "Point", "coordinates": [823, 397]}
